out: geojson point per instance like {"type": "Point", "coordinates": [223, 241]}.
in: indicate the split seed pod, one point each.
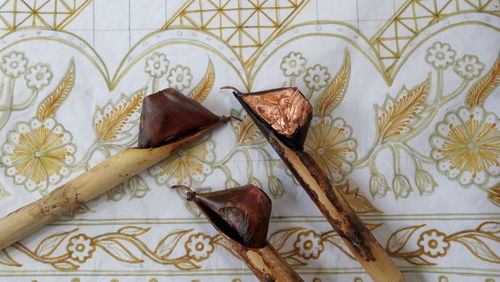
{"type": "Point", "coordinates": [283, 115]}
{"type": "Point", "coordinates": [241, 215]}
{"type": "Point", "coordinates": [169, 120]}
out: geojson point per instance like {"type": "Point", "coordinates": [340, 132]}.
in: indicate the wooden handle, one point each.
{"type": "Point", "coordinates": [266, 263]}
{"type": "Point", "coordinates": [339, 214]}
{"type": "Point", "coordinates": [91, 184]}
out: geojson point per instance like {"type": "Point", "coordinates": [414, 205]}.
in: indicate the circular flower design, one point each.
{"type": "Point", "coordinates": [309, 245]}
{"type": "Point", "coordinates": [180, 77]}
{"type": "Point", "coordinates": [330, 144]}
{"type": "Point", "coordinates": [156, 65]}
{"type": "Point", "coordinates": [38, 153]}
{"type": "Point", "coordinates": [433, 243]}
{"type": "Point", "coordinates": [465, 145]}
{"type": "Point", "coordinates": [38, 76]}
{"type": "Point", "coordinates": [199, 246]}
{"type": "Point", "coordinates": [14, 64]}
{"type": "Point", "coordinates": [80, 248]}
{"type": "Point", "coordinates": [188, 165]}
{"type": "Point", "coordinates": [440, 55]}
{"type": "Point", "coordinates": [316, 77]}
{"type": "Point", "coordinates": [468, 67]}
{"type": "Point", "coordinates": [293, 64]}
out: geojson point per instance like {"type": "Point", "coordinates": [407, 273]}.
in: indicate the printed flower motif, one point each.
{"type": "Point", "coordinates": [433, 243]}
{"type": "Point", "coordinates": [38, 76]}
{"type": "Point", "coordinates": [188, 165]}
{"type": "Point", "coordinates": [401, 186]}
{"type": "Point", "coordinates": [38, 153]}
{"type": "Point", "coordinates": [199, 246]}
{"type": "Point", "coordinates": [440, 55]}
{"type": "Point", "coordinates": [293, 64]}
{"type": "Point", "coordinates": [316, 77]}
{"type": "Point", "coordinates": [378, 185]}
{"type": "Point", "coordinates": [14, 64]}
{"type": "Point", "coordinates": [468, 67]}
{"type": "Point", "coordinates": [180, 77]}
{"type": "Point", "coordinates": [329, 142]}
{"type": "Point", "coordinates": [309, 245]}
{"type": "Point", "coordinates": [80, 248]}
{"type": "Point", "coordinates": [425, 182]}
{"type": "Point", "coordinates": [156, 65]}
{"type": "Point", "coordinates": [466, 145]}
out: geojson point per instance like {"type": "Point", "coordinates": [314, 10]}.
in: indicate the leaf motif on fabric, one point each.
{"type": "Point", "coordinates": [49, 105]}
{"type": "Point", "coordinates": [201, 91]}
{"type": "Point", "coordinates": [111, 122]}
{"type": "Point", "coordinates": [6, 259]}
{"type": "Point", "coordinates": [397, 115]}
{"type": "Point", "coordinates": [358, 202]}
{"type": "Point", "coordinates": [133, 230]}
{"type": "Point", "coordinates": [279, 238]}
{"type": "Point", "coordinates": [484, 86]}
{"type": "Point", "coordinates": [333, 94]}
{"type": "Point", "coordinates": [48, 245]}
{"type": "Point", "coordinates": [114, 248]}
{"type": "Point", "coordinates": [168, 244]}
{"type": "Point", "coordinates": [398, 240]}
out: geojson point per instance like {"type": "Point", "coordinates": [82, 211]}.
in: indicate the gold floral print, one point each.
{"type": "Point", "coordinates": [180, 77]}
{"type": "Point", "coordinates": [293, 64]}
{"type": "Point", "coordinates": [309, 245]}
{"type": "Point", "coordinates": [80, 248]}
{"type": "Point", "coordinates": [156, 65]}
{"type": "Point", "coordinates": [316, 77]}
{"type": "Point", "coordinates": [14, 64]}
{"type": "Point", "coordinates": [38, 153]}
{"type": "Point", "coordinates": [433, 243]}
{"type": "Point", "coordinates": [468, 67]}
{"type": "Point", "coordinates": [330, 143]}
{"type": "Point", "coordinates": [440, 55]}
{"type": "Point", "coordinates": [466, 145]}
{"type": "Point", "coordinates": [199, 246]}
{"type": "Point", "coordinates": [191, 164]}
{"type": "Point", "coordinates": [38, 76]}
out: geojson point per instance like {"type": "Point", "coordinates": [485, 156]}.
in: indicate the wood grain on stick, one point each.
{"type": "Point", "coordinates": [339, 214]}
{"type": "Point", "coordinates": [266, 263]}
{"type": "Point", "coordinates": [88, 186]}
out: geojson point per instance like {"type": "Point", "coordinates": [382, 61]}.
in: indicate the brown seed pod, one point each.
{"type": "Point", "coordinates": [270, 110]}
{"type": "Point", "coordinates": [169, 121]}
{"type": "Point", "coordinates": [168, 115]}
{"type": "Point", "coordinates": [241, 215]}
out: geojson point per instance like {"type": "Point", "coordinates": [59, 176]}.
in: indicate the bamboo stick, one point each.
{"type": "Point", "coordinates": [90, 185]}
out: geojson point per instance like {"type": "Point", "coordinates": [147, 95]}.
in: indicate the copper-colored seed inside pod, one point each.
{"type": "Point", "coordinates": [285, 110]}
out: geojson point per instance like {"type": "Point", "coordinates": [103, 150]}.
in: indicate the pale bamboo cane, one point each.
{"type": "Point", "coordinates": [93, 183]}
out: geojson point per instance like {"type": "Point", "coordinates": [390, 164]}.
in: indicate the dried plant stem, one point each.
{"type": "Point", "coordinates": [266, 263]}
{"type": "Point", "coordinates": [339, 213]}
{"type": "Point", "coordinates": [88, 186]}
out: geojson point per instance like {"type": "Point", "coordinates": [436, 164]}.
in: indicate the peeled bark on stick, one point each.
{"type": "Point", "coordinates": [169, 121]}
{"type": "Point", "coordinates": [241, 215]}
{"type": "Point", "coordinates": [283, 115]}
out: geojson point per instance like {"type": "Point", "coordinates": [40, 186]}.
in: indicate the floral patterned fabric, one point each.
{"type": "Point", "coordinates": [406, 125]}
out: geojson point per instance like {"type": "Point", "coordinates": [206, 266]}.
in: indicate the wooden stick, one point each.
{"type": "Point", "coordinates": [266, 263]}
{"type": "Point", "coordinates": [241, 215]}
{"type": "Point", "coordinates": [339, 213]}
{"type": "Point", "coordinates": [91, 184]}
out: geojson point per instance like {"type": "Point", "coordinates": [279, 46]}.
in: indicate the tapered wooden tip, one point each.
{"type": "Point", "coordinates": [168, 115]}
{"type": "Point", "coordinates": [240, 213]}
